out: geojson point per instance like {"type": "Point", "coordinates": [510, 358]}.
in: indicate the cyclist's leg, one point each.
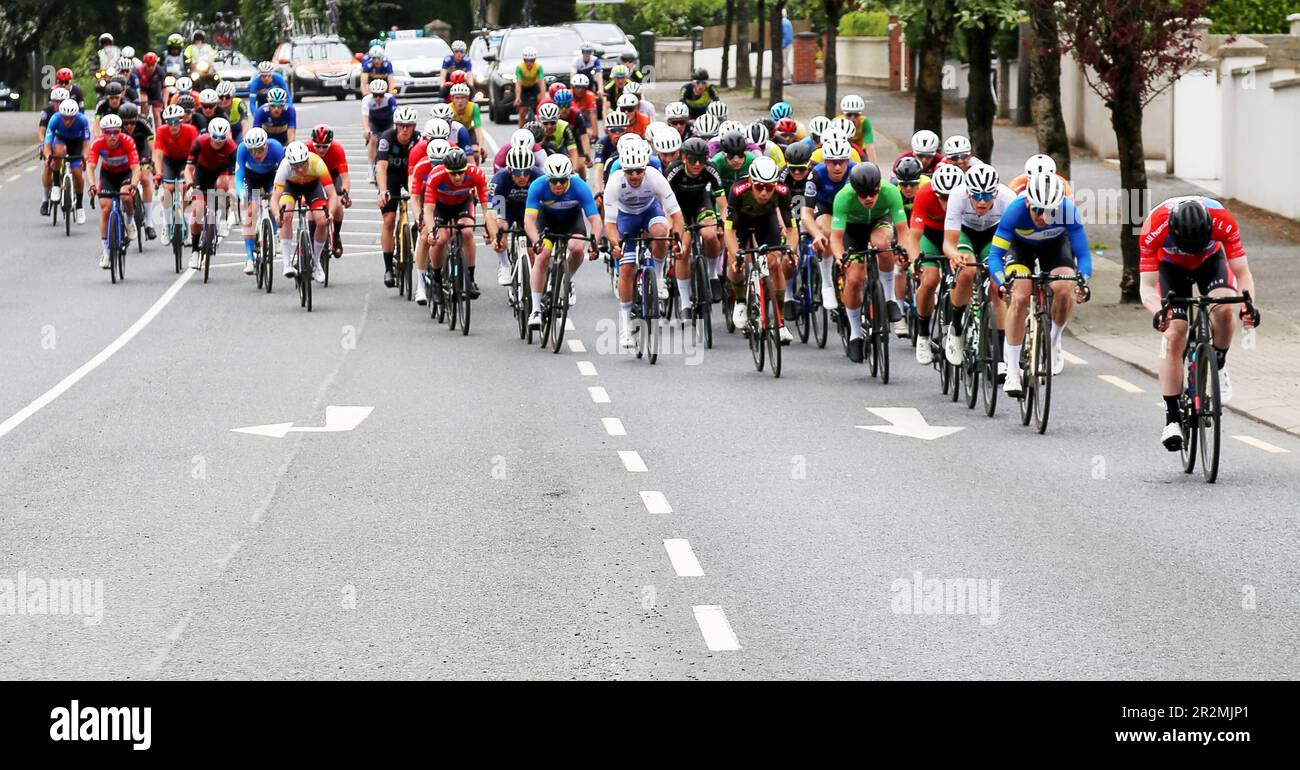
{"type": "Point", "coordinates": [386, 238]}
{"type": "Point", "coordinates": [1023, 260]}
{"type": "Point", "coordinates": [108, 183]}
{"type": "Point", "coordinates": [856, 236]}
{"type": "Point", "coordinates": [882, 237]}
{"type": "Point", "coordinates": [1060, 261]}
{"type": "Point", "coordinates": [249, 231]}
{"type": "Point", "coordinates": [929, 257]}
{"type": "Point", "coordinates": [629, 226]}
{"type": "Point", "coordinates": [1215, 278]}
{"type": "Point", "coordinates": [320, 220]}
{"type": "Point", "coordinates": [288, 200]}
{"type": "Point", "coordinates": [1179, 281]}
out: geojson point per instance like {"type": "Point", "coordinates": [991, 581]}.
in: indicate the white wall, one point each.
{"type": "Point", "coordinates": [1258, 117]}
{"type": "Point", "coordinates": [1198, 126]}
{"type": "Point", "coordinates": [862, 60]}
{"type": "Point", "coordinates": [956, 80]}
{"type": "Point", "coordinates": [711, 60]}
{"type": "Point", "coordinates": [1087, 121]}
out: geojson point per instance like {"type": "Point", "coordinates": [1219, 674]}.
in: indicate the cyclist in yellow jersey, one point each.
{"type": "Point", "coordinates": [303, 174]}
{"type": "Point", "coordinates": [528, 84]}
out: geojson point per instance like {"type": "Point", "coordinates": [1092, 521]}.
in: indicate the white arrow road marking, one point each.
{"type": "Point", "coordinates": [717, 631]}
{"type": "Point", "coordinates": [337, 420]}
{"type": "Point", "coordinates": [906, 421]}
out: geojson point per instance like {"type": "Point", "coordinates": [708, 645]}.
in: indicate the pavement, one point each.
{"type": "Point", "coordinates": [475, 508]}
{"type": "Point", "coordinates": [17, 137]}
{"type": "Point", "coordinates": [1265, 375]}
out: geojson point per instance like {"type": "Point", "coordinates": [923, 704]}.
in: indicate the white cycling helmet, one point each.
{"type": "Point", "coordinates": [818, 126]}
{"type": "Point", "coordinates": [255, 139]}
{"type": "Point", "coordinates": [982, 179]}
{"type": "Point", "coordinates": [667, 141]}
{"type": "Point", "coordinates": [1040, 164]}
{"type": "Point", "coordinates": [59, 94]}
{"type": "Point", "coordinates": [925, 142]}
{"type": "Point", "coordinates": [557, 167]}
{"type": "Point", "coordinates": [277, 96]}
{"type": "Point", "coordinates": [956, 145]}
{"type": "Point", "coordinates": [764, 170]}
{"type": "Point", "coordinates": [522, 137]}
{"type": "Point", "coordinates": [548, 112]}
{"type": "Point", "coordinates": [717, 109]}
{"type": "Point", "coordinates": [184, 84]}
{"type": "Point", "coordinates": [437, 149]}
{"type": "Point", "coordinates": [627, 140]}
{"type": "Point", "coordinates": [520, 159]}
{"type": "Point", "coordinates": [836, 147]}
{"type": "Point", "coordinates": [579, 81]}
{"type": "Point", "coordinates": [378, 86]}
{"type": "Point", "coordinates": [69, 107]}
{"type": "Point", "coordinates": [845, 126]}
{"type": "Point", "coordinates": [676, 110]}
{"type": "Point", "coordinates": [437, 128]}
{"type": "Point", "coordinates": [458, 46]}
{"type": "Point", "coordinates": [946, 178]}
{"type": "Point", "coordinates": [208, 96]}
{"type": "Point", "coordinates": [655, 128]}
{"type": "Point", "coordinates": [757, 133]}
{"type": "Point", "coordinates": [405, 116]}
{"type": "Point", "coordinates": [627, 101]}
{"type": "Point", "coordinates": [529, 53]}
{"type": "Point", "coordinates": [110, 121]}
{"type": "Point", "coordinates": [219, 128]}
{"type": "Point", "coordinates": [727, 126]}
{"type": "Point", "coordinates": [460, 89]}
{"type": "Point", "coordinates": [225, 88]}
{"type": "Point", "coordinates": [128, 51]}
{"type": "Point", "coordinates": [616, 119]}
{"type": "Point", "coordinates": [632, 88]}
{"type": "Point", "coordinates": [375, 52]}
{"type": "Point", "coordinates": [706, 126]}
{"type": "Point", "coordinates": [852, 103]}
{"type": "Point", "coordinates": [265, 66]}
{"type": "Point", "coordinates": [443, 111]}
{"type": "Point", "coordinates": [296, 153]}
{"type": "Point", "coordinates": [635, 155]}
{"type": "Point", "coordinates": [170, 112]}
{"type": "Point", "coordinates": [1045, 191]}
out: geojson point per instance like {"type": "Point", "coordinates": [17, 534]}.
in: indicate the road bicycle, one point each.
{"type": "Point", "coordinates": [940, 321]}
{"type": "Point", "coordinates": [519, 296]}
{"type": "Point", "coordinates": [701, 317]}
{"type": "Point", "coordinates": [980, 352]}
{"type": "Point", "coordinates": [1200, 402]}
{"type": "Point", "coordinates": [450, 302]}
{"type": "Point", "coordinates": [208, 237]}
{"type": "Point", "coordinates": [1036, 355]}
{"type": "Point", "coordinates": [556, 292]}
{"type": "Point", "coordinates": [647, 309]}
{"type": "Point", "coordinates": [875, 313]}
{"type": "Point", "coordinates": [302, 258]}
{"type": "Point", "coordinates": [763, 319]}
{"type": "Point", "coordinates": [137, 215]}
{"type": "Point", "coordinates": [264, 245]}
{"type": "Point", "coordinates": [174, 228]}
{"type": "Point", "coordinates": [64, 192]}
{"type": "Point", "coordinates": [404, 239]}
{"type": "Point", "coordinates": [117, 242]}
{"type": "Point", "coordinates": [810, 318]}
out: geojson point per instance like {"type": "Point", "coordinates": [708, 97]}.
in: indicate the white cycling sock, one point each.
{"type": "Point", "coordinates": [625, 313]}
{"type": "Point", "coordinates": [1011, 354]}
{"type": "Point", "coordinates": [316, 248]}
{"type": "Point", "coordinates": [537, 301]}
{"type": "Point", "coordinates": [715, 266]}
{"type": "Point", "coordinates": [684, 287]}
{"type": "Point", "coordinates": [660, 267]}
{"type": "Point", "coordinates": [286, 248]}
{"type": "Point", "coordinates": [827, 267]}
{"type": "Point", "coordinates": [887, 283]}
{"type": "Point", "coordinates": [504, 258]}
{"type": "Point", "coordinates": [1057, 330]}
{"type": "Point", "coordinates": [855, 323]}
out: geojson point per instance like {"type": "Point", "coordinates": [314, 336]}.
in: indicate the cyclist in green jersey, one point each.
{"type": "Point", "coordinates": [733, 158]}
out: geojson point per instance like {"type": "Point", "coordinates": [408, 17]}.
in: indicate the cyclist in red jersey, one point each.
{"type": "Point", "coordinates": [434, 151]}
{"type": "Point", "coordinates": [114, 155]}
{"type": "Point", "coordinates": [211, 166]}
{"type": "Point", "coordinates": [449, 197]}
{"type": "Point", "coordinates": [336, 160]}
{"type": "Point", "coordinates": [171, 152]}
{"type": "Point", "coordinates": [1185, 241]}
{"type": "Point", "coordinates": [929, 212]}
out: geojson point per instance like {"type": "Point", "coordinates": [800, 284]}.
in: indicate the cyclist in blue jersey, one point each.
{"type": "Point", "coordinates": [66, 136]}
{"type": "Point", "coordinates": [558, 201]}
{"type": "Point", "coordinates": [457, 61]}
{"type": "Point", "coordinates": [825, 181]}
{"type": "Point", "coordinates": [376, 66]}
{"type": "Point", "coordinates": [508, 195]}
{"type": "Point", "coordinates": [1039, 228]}
{"type": "Point", "coordinates": [267, 78]}
{"type": "Point", "coordinates": [376, 118]}
{"type": "Point", "coordinates": [277, 117]}
{"type": "Point", "coordinates": [255, 165]}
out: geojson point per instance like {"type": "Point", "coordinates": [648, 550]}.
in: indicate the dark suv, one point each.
{"type": "Point", "coordinates": [557, 48]}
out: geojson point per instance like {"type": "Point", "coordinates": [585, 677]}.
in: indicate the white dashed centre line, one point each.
{"type": "Point", "coordinates": [568, 325]}
{"type": "Point", "coordinates": [717, 631]}
{"type": "Point", "coordinates": [632, 461]}
{"type": "Point", "coordinates": [655, 502]}
{"type": "Point", "coordinates": [576, 346]}
{"type": "Point", "coordinates": [598, 395]}
{"type": "Point", "coordinates": [14, 178]}
{"type": "Point", "coordinates": [683, 558]}
{"type": "Point", "coordinates": [613, 426]}
{"type": "Point", "coordinates": [587, 368]}
{"type": "Point", "coordinates": [1072, 358]}
{"type": "Point", "coordinates": [1120, 383]}
{"type": "Point", "coordinates": [1258, 444]}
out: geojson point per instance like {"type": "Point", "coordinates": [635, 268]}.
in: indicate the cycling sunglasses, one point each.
{"type": "Point", "coordinates": [733, 155]}
{"type": "Point", "coordinates": [633, 171]}
{"type": "Point", "coordinates": [697, 159]}
{"type": "Point", "coordinates": [112, 131]}
{"type": "Point", "coordinates": [677, 122]}
{"type": "Point", "coordinates": [617, 131]}
{"type": "Point", "coordinates": [959, 156]}
{"type": "Point", "coordinates": [173, 121]}
{"type": "Point", "coordinates": [764, 186]}
{"type": "Point", "coordinates": [1039, 211]}
{"type": "Point", "coordinates": [981, 196]}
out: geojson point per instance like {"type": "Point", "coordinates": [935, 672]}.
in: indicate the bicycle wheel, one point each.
{"type": "Point", "coordinates": [177, 239]}
{"type": "Point", "coordinates": [1026, 400]}
{"type": "Point", "coordinates": [209, 247]}
{"type": "Point", "coordinates": [325, 259]}
{"type": "Point", "coordinates": [408, 263]}
{"type": "Point", "coordinates": [654, 316]}
{"type": "Point", "coordinates": [267, 255]}
{"type": "Point", "coordinates": [703, 316]}
{"type": "Point", "coordinates": [771, 329]}
{"type": "Point", "coordinates": [67, 206]}
{"type": "Point", "coordinates": [1211, 409]}
{"type": "Point", "coordinates": [988, 354]}
{"type": "Point", "coordinates": [1043, 380]}
{"type": "Point", "coordinates": [803, 318]}
{"type": "Point", "coordinates": [119, 263]}
{"type": "Point", "coordinates": [137, 213]}
{"type": "Point", "coordinates": [114, 243]}
{"type": "Point", "coordinates": [524, 301]}
{"type": "Point", "coordinates": [301, 261]}
{"type": "Point", "coordinates": [462, 288]}
{"type": "Point", "coordinates": [972, 366]}
{"type": "Point", "coordinates": [753, 326]}
{"type": "Point", "coordinates": [560, 309]}
{"type": "Point", "coordinates": [728, 307]}
{"type": "Point", "coordinates": [548, 305]}
{"type": "Point", "coordinates": [880, 331]}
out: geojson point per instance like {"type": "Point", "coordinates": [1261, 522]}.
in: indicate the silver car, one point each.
{"type": "Point", "coordinates": [234, 67]}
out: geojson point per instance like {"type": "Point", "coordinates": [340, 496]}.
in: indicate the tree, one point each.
{"type": "Point", "coordinates": [979, 21]}
{"type": "Point", "coordinates": [777, 90]}
{"type": "Point", "coordinates": [1042, 49]}
{"type": "Point", "coordinates": [726, 41]}
{"type": "Point", "coordinates": [742, 44]}
{"type": "Point", "coordinates": [758, 79]}
{"type": "Point", "coordinates": [1131, 50]}
{"type": "Point", "coordinates": [931, 21]}
{"type": "Point", "coordinates": [830, 64]}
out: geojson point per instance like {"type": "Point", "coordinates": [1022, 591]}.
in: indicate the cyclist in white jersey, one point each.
{"type": "Point", "coordinates": [973, 213]}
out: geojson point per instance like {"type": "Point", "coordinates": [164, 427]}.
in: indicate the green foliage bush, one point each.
{"type": "Point", "coordinates": [865, 24]}
{"type": "Point", "coordinates": [1232, 17]}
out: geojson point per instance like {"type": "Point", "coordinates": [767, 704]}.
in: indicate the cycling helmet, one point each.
{"type": "Point", "coordinates": [632, 88]}
{"type": "Point", "coordinates": [520, 159]}
{"type": "Point", "coordinates": [619, 71]}
{"type": "Point", "coordinates": [128, 51]}
{"type": "Point", "coordinates": [615, 119]}
{"type": "Point", "coordinates": [836, 147]}
{"type": "Point", "coordinates": [845, 126]}
{"type": "Point", "coordinates": [627, 56]}
{"type": "Point", "coordinates": [563, 97]}
{"type": "Point", "coordinates": [676, 111]}
{"type": "Point", "coordinates": [627, 102]}
{"type": "Point", "coordinates": [981, 179]}
{"type": "Point", "coordinates": [175, 40]}
{"type": "Point", "coordinates": [695, 147]}
{"type": "Point", "coordinates": [198, 35]}
{"type": "Point", "coordinates": [405, 116]}
{"type": "Point", "coordinates": [908, 170]}
{"type": "Point", "coordinates": [437, 150]}
{"type": "Point", "coordinates": [110, 122]}
{"type": "Point", "coordinates": [557, 167]}
{"type": "Point", "coordinates": [727, 126]}
{"type": "Point", "coordinates": [946, 178]}
{"type": "Point", "coordinates": [588, 48]}
{"type": "Point", "coordinates": [114, 89]}
{"type": "Point", "coordinates": [1045, 191]}
{"type": "Point", "coordinates": [219, 128]}
{"type": "Point", "coordinates": [322, 135]}
{"type": "Point", "coordinates": [376, 52]}
{"type": "Point", "coordinates": [579, 81]}
{"type": "Point", "coordinates": [129, 111]}
{"type": "Point", "coordinates": [460, 89]}
{"type": "Point", "coordinates": [225, 88]}
{"type": "Point", "coordinates": [442, 110]}
{"type": "Point", "coordinates": [59, 94]}
{"type": "Point", "coordinates": [437, 128]}
{"type": "Point", "coordinates": [956, 145]}
{"type": "Point", "coordinates": [68, 108]}
{"type": "Point", "coordinates": [798, 155]}
{"type": "Point", "coordinates": [700, 74]}
{"type": "Point", "coordinates": [522, 137]}
{"type": "Point", "coordinates": [185, 84]}
{"type": "Point", "coordinates": [150, 58]}
{"type": "Point", "coordinates": [105, 38]}
{"type": "Point", "coordinates": [537, 130]}
{"type": "Point", "coordinates": [457, 76]}
{"type": "Point", "coordinates": [208, 97]}
{"type": "Point", "coordinates": [555, 88]}
{"type": "Point", "coordinates": [757, 133]}
{"type": "Point", "coordinates": [186, 101]}
{"type": "Point", "coordinates": [529, 53]}
{"type": "Point", "coordinates": [667, 141]}
{"type": "Point", "coordinates": [706, 126]}
{"type": "Point", "coordinates": [276, 96]}
{"type": "Point", "coordinates": [717, 109]}
{"type": "Point", "coordinates": [124, 63]}
{"type": "Point", "coordinates": [378, 86]}
{"type": "Point", "coordinates": [925, 142]}
{"type": "Point", "coordinates": [455, 160]}
{"type": "Point", "coordinates": [1040, 164]}
{"type": "Point", "coordinates": [764, 170]}
{"type": "Point", "coordinates": [549, 112]}
{"type": "Point", "coordinates": [787, 126]}
{"type": "Point", "coordinates": [635, 155]}
{"type": "Point", "coordinates": [296, 153]}
{"type": "Point", "coordinates": [255, 139]}
{"type": "Point", "coordinates": [781, 110]}
{"type": "Point", "coordinates": [865, 178]}
{"type": "Point", "coordinates": [170, 112]}
{"type": "Point", "coordinates": [1190, 225]}
{"type": "Point", "coordinates": [818, 126]}
{"type": "Point", "coordinates": [733, 143]}
{"type": "Point", "coordinates": [458, 46]}
{"type": "Point", "coordinates": [852, 103]}
{"type": "Point", "coordinates": [627, 140]}
{"type": "Point", "coordinates": [266, 66]}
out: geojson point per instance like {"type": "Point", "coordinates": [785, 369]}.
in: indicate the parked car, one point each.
{"type": "Point", "coordinates": [417, 61]}
{"type": "Point", "coordinates": [9, 98]}
{"type": "Point", "coordinates": [609, 39]}
{"type": "Point", "coordinates": [234, 67]}
{"type": "Point", "coordinates": [318, 64]}
{"type": "Point", "coordinates": [479, 48]}
{"type": "Point", "coordinates": [557, 47]}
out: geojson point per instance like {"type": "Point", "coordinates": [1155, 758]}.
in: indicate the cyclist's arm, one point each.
{"type": "Point", "coordinates": [365, 114]}
{"type": "Point", "coordinates": [1002, 239]}
{"type": "Point", "coordinates": [1078, 240]}
{"type": "Point", "coordinates": [1149, 291]}
{"type": "Point", "coordinates": [241, 158]}
{"type": "Point", "coordinates": [1245, 281]}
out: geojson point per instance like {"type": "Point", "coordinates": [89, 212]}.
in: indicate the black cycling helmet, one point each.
{"type": "Point", "coordinates": [627, 56]}
{"type": "Point", "coordinates": [695, 147]}
{"type": "Point", "coordinates": [700, 74]}
{"type": "Point", "coordinates": [129, 111]}
{"type": "Point", "coordinates": [455, 160]}
{"type": "Point", "coordinates": [114, 88]}
{"type": "Point", "coordinates": [908, 170]}
{"type": "Point", "coordinates": [865, 178]}
{"type": "Point", "coordinates": [798, 154]}
{"type": "Point", "coordinates": [539, 131]}
{"type": "Point", "coordinates": [1190, 226]}
{"type": "Point", "coordinates": [733, 143]}
{"type": "Point", "coordinates": [186, 101]}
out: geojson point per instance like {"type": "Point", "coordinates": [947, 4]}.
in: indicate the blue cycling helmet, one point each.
{"type": "Point", "coordinates": [564, 97]}
{"type": "Point", "coordinates": [781, 110]}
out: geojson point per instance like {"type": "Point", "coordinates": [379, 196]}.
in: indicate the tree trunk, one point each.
{"type": "Point", "coordinates": [743, 79]}
{"type": "Point", "coordinates": [980, 106]}
{"type": "Point", "coordinates": [762, 28]}
{"type": "Point", "coordinates": [1045, 86]}
{"type": "Point", "coordinates": [727, 20]}
{"type": "Point", "coordinates": [777, 90]}
{"type": "Point", "coordinates": [1126, 118]}
{"type": "Point", "coordinates": [932, 45]}
{"type": "Point", "coordinates": [830, 64]}
{"type": "Point", "coordinates": [1004, 85]}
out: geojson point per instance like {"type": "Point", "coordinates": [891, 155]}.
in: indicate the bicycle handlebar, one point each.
{"type": "Point", "coordinates": [1170, 300]}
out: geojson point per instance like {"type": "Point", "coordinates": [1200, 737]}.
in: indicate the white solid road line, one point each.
{"type": "Point", "coordinates": [576, 346]}
{"type": "Point", "coordinates": [72, 379]}
{"type": "Point", "coordinates": [598, 395]}
{"type": "Point", "coordinates": [717, 631]}
{"type": "Point", "coordinates": [1120, 383]}
{"type": "Point", "coordinates": [14, 178]}
{"type": "Point", "coordinates": [1071, 358]}
{"type": "Point", "coordinates": [632, 461]}
{"type": "Point", "coordinates": [655, 502]}
{"type": "Point", "coordinates": [1258, 444]}
{"type": "Point", "coordinates": [683, 558]}
{"type": "Point", "coordinates": [587, 368]}
{"type": "Point", "coordinates": [613, 426]}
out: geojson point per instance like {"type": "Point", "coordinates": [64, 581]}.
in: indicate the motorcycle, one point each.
{"type": "Point", "coordinates": [204, 74]}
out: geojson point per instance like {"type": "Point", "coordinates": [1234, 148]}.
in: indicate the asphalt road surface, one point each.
{"type": "Point", "coordinates": [503, 512]}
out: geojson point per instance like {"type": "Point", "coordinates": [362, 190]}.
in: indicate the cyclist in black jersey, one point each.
{"type": "Point", "coordinates": [700, 192]}
{"type": "Point", "coordinates": [758, 211]}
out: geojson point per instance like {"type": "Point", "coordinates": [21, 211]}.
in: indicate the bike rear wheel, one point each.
{"type": "Point", "coordinates": [972, 365]}
{"type": "Point", "coordinates": [1211, 409]}
{"type": "Point", "coordinates": [988, 358]}
{"type": "Point", "coordinates": [302, 276]}
{"type": "Point", "coordinates": [137, 213]}
{"type": "Point", "coordinates": [819, 317]}
{"type": "Point", "coordinates": [560, 305]}
{"type": "Point", "coordinates": [880, 331]}
{"type": "Point", "coordinates": [67, 206]}
{"type": "Point", "coordinates": [209, 248]}
{"type": "Point", "coordinates": [754, 327]}
{"type": "Point", "coordinates": [114, 243]}
{"type": "Point", "coordinates": [1042, 383]}
{"type": "Point", "coordinates": [771, 329]}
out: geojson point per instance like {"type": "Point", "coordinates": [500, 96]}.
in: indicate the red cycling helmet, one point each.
{"type": "Point", "coordinates": [787, 126]}
{"type": "Point", "coordinates": [322, 135]}
{"type": "Point", "coordinates": [150, 58]}
{"type": "Point", "coordinates": [458, 76]}
{"type": "Point", "coordinates": [63, 75]}
{"type": "Point", "coordinates": [557, 86]}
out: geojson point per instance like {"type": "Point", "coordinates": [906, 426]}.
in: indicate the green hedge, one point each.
{"type": "Point", "coordinates": [1234, 17]}
{"type": "Point", "coordinates": [865, 24]}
